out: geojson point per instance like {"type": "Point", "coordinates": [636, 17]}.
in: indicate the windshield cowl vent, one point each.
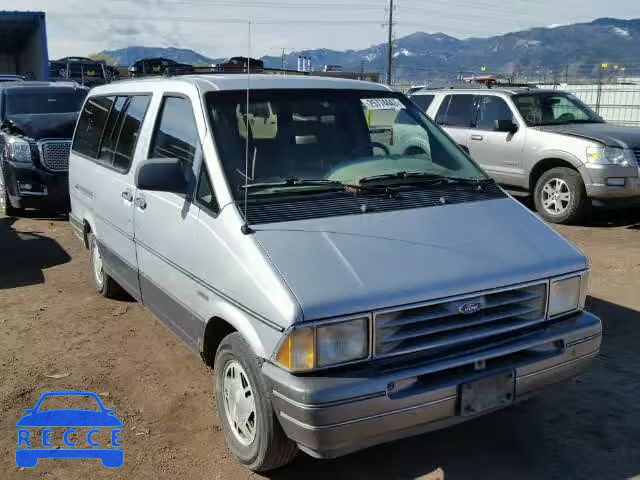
{"type": "Point", "coordinates": [293, 208]}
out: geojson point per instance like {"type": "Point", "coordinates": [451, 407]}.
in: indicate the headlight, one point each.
{"type": "Point", "coordinates": [324, 345]}
{"type": "Point", "coordinates": [567, 294]}
{"type": "Point", "coordinates": [19, 150]}
{"type": "Point", "coordinates": [623, 157]}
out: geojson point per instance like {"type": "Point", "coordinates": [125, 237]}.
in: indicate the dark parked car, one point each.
{"type": "Point", "coordinates": [83, 70]}
{"type": "Point", "coordinates": [239, 65]}
{"type": "Point", "coordinates": [37, 120]}
{"type": "Point", "coordinates": [158, 66]}
{"type": "Point", "coordinates": [11, 78]}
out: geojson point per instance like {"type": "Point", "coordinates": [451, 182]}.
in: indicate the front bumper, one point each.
{"type": "Point", "coordinates": [332, 415]}
{"type": "Point", "coordinates": [598, 179]}
{"type": "Point", "coordinates": [29, 186]}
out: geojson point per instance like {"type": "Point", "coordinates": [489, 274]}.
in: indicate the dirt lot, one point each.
{"type": "Point", "coordinates": [52, 323]}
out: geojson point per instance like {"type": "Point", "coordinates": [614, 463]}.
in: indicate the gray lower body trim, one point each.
{"type": "Point", "coordinates": [120, 270]}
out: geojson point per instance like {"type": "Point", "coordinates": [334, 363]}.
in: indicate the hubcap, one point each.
{"type": "Point", "coordinates": [239, 403]}
{"type": "Point", "coordinates": [96, 260]}
{"type": "Point", "coordinates": [556, 196]}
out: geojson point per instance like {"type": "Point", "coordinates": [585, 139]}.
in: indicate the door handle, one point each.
{"type": "Point", "coordinates": [127, 195]}
{"type": "Point", "coordinates": [141, 203]}
{"type": "Point", "coordinates": [476, 137]}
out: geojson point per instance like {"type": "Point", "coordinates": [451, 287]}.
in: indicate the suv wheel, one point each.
{"type": "Point", "coordinates": [560, 196]}
{"type": "Point", "coordinates": [251, 428]}
{"type": "Point", "coordinates": [105, 285]}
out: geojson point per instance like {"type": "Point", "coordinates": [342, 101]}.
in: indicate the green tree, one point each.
{"type": "Point", "coordinates": [101, 57]}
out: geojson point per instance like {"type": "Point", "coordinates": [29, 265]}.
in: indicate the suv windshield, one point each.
{"type": "Point", "coordinates": [54, 100]}
{"type": "Point", "coordinates": [553, 108]}
{"type": "Point", "coordinates": [315, 139]}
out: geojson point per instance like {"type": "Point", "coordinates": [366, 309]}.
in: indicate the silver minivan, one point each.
{"type": "Point", "coordinates": [543, 143]}
{"type": "Point", "coordinates": [350, 274]}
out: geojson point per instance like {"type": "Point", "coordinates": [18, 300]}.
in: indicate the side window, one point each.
{"type": "Point", "coordinates": [490, 109]}
{"type": "Point", "coordinates": [460, 111]}
{"type": "Point", "coordinates": [441, 116]}
{"type": "Point", "coordinates": [176, 134]}
{"type": "Point", "coordinates": [91, 124]}
{"type": "Point", "coordinates": [129, 131]}
{"type": "Point", "coordinates": [204, 193]}
{"type": "Point", "coordinates": [423, 101]}
{"type": "Point", "coordinates": [111, 131]}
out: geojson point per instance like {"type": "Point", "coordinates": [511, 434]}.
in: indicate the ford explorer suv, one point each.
{"type": "Point", "coordinates": [36, 125]}
{"type": "Point", "coordinates": [544, 143]}
{"type": "Point", "coordinates": [352, 276]}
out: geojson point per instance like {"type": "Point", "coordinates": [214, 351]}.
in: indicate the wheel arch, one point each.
{"type": "Point", "coordinates": [547, 164]}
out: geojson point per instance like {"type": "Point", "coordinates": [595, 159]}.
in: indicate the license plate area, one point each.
{"type": "Point", "coordinates": [487, 393]}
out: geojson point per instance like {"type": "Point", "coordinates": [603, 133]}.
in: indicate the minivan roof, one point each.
{"type": "Point", "coordinates": [39, 85]}
{"type": "Point", "coordinates": [222, 82]}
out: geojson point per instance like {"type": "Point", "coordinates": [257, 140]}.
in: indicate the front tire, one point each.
{"type": "Point", "coordinates": [105, 285]}
{"type": "Point", "coordinates": [251, 428]}
{"type": "Point", "coordinates": [560, 196]}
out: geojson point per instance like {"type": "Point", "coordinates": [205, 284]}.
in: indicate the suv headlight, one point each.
{"type": "Point", "coordinates": [19, 150]}
{"type": "Point", "coordinates": [623, 157]}
{"type": "Point", "coordinates": [567, 294]}
{"type": "Point", "coordinates": [324, 345]}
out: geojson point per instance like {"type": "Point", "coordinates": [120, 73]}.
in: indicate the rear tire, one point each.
{"type": "Point", "coordinates": [105, 285]}
{"type": "Point", "coordinates": [263, 445]}
{"type": "Point", "coordinates": [560, 196]}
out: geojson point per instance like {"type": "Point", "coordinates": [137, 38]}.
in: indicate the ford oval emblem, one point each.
{"type": "Point", "coordinates": [470, 307]}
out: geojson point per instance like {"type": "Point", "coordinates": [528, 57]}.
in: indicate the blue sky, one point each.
{"type": "Point", "coordinates": [217, 27]}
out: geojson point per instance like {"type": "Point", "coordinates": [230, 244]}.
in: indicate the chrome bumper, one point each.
{"type": "Point", "coordinates": [329, 416]}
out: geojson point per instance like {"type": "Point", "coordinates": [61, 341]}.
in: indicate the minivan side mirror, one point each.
{"type": "Point", "coordinates": [161, 175]}
{"type": "Point", "coordinates": [505, 126]}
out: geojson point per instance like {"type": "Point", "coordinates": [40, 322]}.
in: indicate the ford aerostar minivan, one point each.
{"type": "Point", "coordinates": [352, 276]}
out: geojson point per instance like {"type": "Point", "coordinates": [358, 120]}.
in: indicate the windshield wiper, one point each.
{"type": "Point", "coordinates": [408, 178]}
{"type": "Point", "coordinates": [292, 182]}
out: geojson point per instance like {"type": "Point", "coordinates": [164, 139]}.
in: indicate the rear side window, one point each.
{"type": "Point", "coordinates": [423, 101]}
{"type": "Point", "coordinates": [112, 130]}
{"type": "Point", "coordinates": [91, 125]}
{"type": "Point", "coordinates": [176, 134]}
{"type": "Point", "coordinates": [129, 132]}
{"type": "Point", "coordinates": [108, 129]}
{"type": "Point", "coordinates": [456, 111]}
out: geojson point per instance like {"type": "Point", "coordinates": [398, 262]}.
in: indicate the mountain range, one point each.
{"type": "Point", "coordinates": [579, 48]}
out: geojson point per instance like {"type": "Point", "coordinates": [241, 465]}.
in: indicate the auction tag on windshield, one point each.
{"type": "Point", "coordinates": [383, 104]}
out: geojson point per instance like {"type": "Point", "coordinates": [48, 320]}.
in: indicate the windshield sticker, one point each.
{"type": "Point", "coordinates": [383, 104]}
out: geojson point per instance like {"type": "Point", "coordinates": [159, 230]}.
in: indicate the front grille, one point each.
{"type": "Point", "coordinates": [636, 152]}
{"type": "Point", "coordinates": [55, 154]}
{"type": "Point", "coordinates": [441, 328]}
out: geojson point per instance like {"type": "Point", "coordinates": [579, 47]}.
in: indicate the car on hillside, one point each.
{"type": "Point", "coordinates": [544, 143]}
{"type": "Point", "coordinates": [158, 66]}
{"type": "Point", "coordinates": [352, 276]}
{"type": "Point", "coordinates": [36, 125]}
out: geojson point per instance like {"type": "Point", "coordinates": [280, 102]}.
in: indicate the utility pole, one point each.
{"type": "Point", "coordinates": [390, 44]}
{"type": "Point", "coordinates": [284, 60]}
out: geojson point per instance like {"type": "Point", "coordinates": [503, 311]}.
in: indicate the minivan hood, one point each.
{"type": "Point", "coordinates": [350, 264]}
{"type": "Point", "coordinates": [45, 125]}
{"type": "Point", "coordinates": [607, 133]}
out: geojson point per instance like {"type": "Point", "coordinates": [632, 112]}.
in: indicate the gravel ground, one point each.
{"type": "Point", "coordinates": [53, 324]}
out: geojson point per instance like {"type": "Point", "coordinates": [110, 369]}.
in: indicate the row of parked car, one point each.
{"type": "Point", "coordinates": [351, 274]}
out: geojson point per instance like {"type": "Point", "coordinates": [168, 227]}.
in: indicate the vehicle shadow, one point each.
{"type": "Point", "coordinates": [24, 255]}
{"type": "Point", "coordinates": [583, 429]}
{"type": "Point", "coordinates": [610, 217]}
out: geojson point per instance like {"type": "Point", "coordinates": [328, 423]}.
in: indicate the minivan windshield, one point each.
{"type": "Point", "coordinates": [52, 100]}
{"type": "Point", "coordinates": [299, 139]}
{"type": "Point", "coordinates": [553, 108]}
